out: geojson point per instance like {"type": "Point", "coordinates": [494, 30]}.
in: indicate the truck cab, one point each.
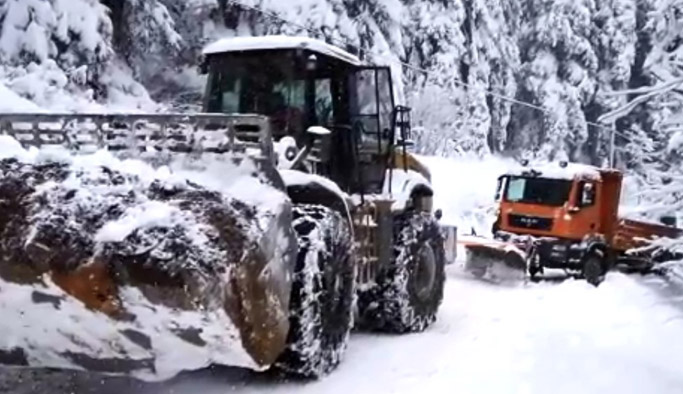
{"type": "Point", "coordinates": [560, 215]}
{"type": "Point", "coordinates": [564, 201]}
{"type": "Point", "coordinates": [566, 216]}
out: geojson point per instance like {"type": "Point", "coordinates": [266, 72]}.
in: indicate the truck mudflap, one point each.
{"type": "Point", "coordinates": [450, 243]}
{"type": "Point", "coordinates": [110, 271]}
{"type": "Point", "coordinates": [502, 260]}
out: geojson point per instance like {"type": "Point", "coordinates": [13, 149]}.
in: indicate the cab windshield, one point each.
{"type": "Point", "coordinates": [247, 84]}
{"type": "Point", "coordinates": [542, 191]}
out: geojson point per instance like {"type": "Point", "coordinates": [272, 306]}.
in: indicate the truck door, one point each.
{"type": "Point", "coordinates": [586, 219]}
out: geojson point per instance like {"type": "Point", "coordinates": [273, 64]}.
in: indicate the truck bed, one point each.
{"type": "Point", "coordinates": [632, 234]}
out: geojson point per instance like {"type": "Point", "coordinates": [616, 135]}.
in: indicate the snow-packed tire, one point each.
{"type": "Point", "coordinates": [407, 294]}
{"type": "Point", "coordinates": [321, 305]}
{"type": "Point", "coordinates": [594, 267]}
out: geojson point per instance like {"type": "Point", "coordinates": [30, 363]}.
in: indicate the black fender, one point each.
{"type": "Point", "coordinates": [303, 188]}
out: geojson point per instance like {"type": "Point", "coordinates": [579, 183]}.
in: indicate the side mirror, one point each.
{"type": "Point", "coordinates": [587, 194]}
{"type": "Point", "coordinates": [438, 214]}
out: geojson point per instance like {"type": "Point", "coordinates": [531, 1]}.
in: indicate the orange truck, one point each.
{"type": "Point", "coordinates": [564, 216]}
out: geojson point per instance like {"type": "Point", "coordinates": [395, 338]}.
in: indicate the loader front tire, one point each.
{"type": "Point", "coordinates": [407, 294]}
{"type": "Point", "coordinates": [321, 310]}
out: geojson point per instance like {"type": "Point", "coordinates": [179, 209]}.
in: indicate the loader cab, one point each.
{"type": "Point", "coordinates": [567, 201]}
{"type": "Point", "coordinates": [301, 82]}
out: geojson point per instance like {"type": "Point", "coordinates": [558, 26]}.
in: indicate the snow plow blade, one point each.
{"type": "Point", "coordinates": [110, 271]}
{"type": "Point", "coordinates": [499, 259]}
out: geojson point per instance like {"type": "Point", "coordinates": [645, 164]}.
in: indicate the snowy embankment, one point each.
{"type": "Point", "coordinates": [622, 337]}
{"type": "Point", "coordinates": [117, 266]}
{"type": "Point", "coordinates": [465, 190]}
{"type": "Point", "coordinates": [12, 102]}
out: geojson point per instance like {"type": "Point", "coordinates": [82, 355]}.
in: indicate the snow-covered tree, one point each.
{"type": "Point", "coordinates": [558, 74]}
{"type": "Point", "coordinates": [145, 35]}
{"type": "Point", "coordinates": [68, 31]}
{"type": "Point", "coordinates": [652, 143]}
{"type": "Point", "coordinates": [59, 53]}
{"type": "Point", "coordinates": [614, 39]}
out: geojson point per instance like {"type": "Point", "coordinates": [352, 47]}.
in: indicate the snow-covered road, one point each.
{"type": "Point", "coordinates": [625, 336]}
{"type": "Point", "coordinates": [560, 337]}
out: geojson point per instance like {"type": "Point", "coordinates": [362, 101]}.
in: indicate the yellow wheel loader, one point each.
{"type": "Point", "coordinates": [133, 255]}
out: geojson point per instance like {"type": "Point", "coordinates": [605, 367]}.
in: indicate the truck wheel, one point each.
{"type": "Point", "coordinates": [594, 268]}
{"type": "Point", "coordinates": [476, 264]}
{"type": "Point", "coordinates": [407, 294]}
{"type": "Point", "coordinates": [535, 267]}
{"type": "Point", "coordinates": [478, 272]}
{"type": "Point", "coordinates": [533, 273]}
{"type": "Point", "coordinates": [321, 304]}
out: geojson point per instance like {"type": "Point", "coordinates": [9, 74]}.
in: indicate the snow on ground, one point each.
{"type": "Point", "coordinates": [569, 337]}
{"type": "Point", "coordinates": [560, 337]}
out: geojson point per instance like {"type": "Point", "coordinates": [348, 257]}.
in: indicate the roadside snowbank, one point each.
{"type": "Point", "coordinates": [622, 337]}
{"type": "Point", "coordinates": [12, 102]}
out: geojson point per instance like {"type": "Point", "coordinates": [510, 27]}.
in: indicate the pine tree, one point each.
{"type": "Point", "coordinates": [146, 36]}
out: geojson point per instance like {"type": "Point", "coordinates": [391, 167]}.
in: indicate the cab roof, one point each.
{"type": "Point", "coordinates": [568, 171]}
{"type": "Point", "coordinates": [260, 43]}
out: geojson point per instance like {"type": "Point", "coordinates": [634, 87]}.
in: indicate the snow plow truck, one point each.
{"type": "Point", "coordinates": [564, 216]}
{"type": "Point", "coordinates": [120, 268]}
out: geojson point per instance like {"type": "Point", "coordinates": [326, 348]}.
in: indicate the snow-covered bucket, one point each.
{"type": "Point", "coordinates": [121, 268]}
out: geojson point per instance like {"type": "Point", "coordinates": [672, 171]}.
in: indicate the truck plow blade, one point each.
{"type": "Point", "coordinates": [495, 259]}
{"type": "Point", "coordinates": [105, 271]}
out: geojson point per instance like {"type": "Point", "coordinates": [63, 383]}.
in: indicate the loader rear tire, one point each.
{"type": "Point", "coordinates": [321, 304]}
{"type": "Point", "coordinates": [408, 293]}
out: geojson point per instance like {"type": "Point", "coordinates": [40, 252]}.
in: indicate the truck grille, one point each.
{"type": "Point", "coordinates": [530, 222]}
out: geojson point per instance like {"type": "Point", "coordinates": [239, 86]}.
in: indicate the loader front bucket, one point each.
{"type": "Point", "coordinates": [106, 271]}
{"type": "Point", "coordinates": [496, 259]}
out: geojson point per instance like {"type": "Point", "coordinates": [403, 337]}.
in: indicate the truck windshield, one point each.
{"type": "Point", "coordinates": [543, 191]}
